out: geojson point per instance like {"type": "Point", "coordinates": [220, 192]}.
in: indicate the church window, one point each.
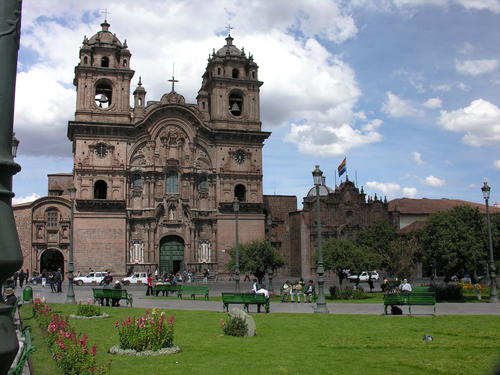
{"type": "Point", "coordinates": [203, 183]}
{"type": "Point", "coordinates": [203, 105]}
{"type": "Point", "coordinates": [240, 192]}
{"type": "Point", "coordinates": [140, 101]}
{"type": "Point", "coordinates": [253, 75]}
{"type": "Point", "coordinates": [137, 180]}
{"type": "Point", "coordinates": [172, 182]}
{"type": "Point", "coordinates": [236, 73]}
{"type": "Point", "coordinates": [105, 62]}
{"type": "Point", "coordinates": [218, 71]}
{"type": "Point", "coordinates": [103, 94]}
{"type": "Point", "coordinates": [236, 103]}
{"type": "Point", "coordinates": [125, 63]}
{"type": "Point", "coordinates": [100, 189]}
{"type": "Point", "coordinates": [85, 60]}
{"type": "Point", "coordinates": [52, 217]}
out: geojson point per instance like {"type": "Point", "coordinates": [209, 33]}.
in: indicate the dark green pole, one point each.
{"type": "Point", "coordinates": [236, 208]}
{"type": "Point", "coordinates": [10, 251]}
{"type": "Point", "coordinates": [320, 268]}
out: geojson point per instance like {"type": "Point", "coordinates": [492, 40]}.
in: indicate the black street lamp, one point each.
{"type": "Point", "coordinates": [15, 145]}
{"type": "Point", "coordinates": [493, 278]}
{"type": "Point", "coordinates": [70, 295]}
{"type": "Point", "coordinates": [236, 208]}
{"type": "Point", "coordinates": [11, 257]}
{"type": "Point", "coordinates": [320, 268]}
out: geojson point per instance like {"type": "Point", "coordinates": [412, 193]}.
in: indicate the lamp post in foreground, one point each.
{"type": "Point", "coordinates": [70, 295]}
{"type": "Point", "coordinates": [11, 258]}
{"type": "Point", "coordinates": [320, 268]}
{"type": "Point", "coordinates": [236, 208]}
{"type": "Point", "coordinates": [493, 278]}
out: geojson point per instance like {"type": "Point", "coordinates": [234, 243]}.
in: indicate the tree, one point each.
{"type": "Point", "coordinates": [256, 257]}
{"type": "Point", "coordinates": [400, 258]}
{"type": "Point", "coordinates": [345, 254]}
{"type": "Point", "coordinates": [378, 237]}
{"type": "Point", "coordinates": [453, 241]}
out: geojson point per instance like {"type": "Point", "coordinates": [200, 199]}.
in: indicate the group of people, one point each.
{"type": "Point", "coordinates": [22, 276]}
{"type": "Point", "coordinates": [291, 291]}
{"type": "Point", "coordinates": [107, 281]}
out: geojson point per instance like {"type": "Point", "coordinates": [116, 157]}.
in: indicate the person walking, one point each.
{"type": "Point", "coordinates": [58, 279]}
{"type": "Point", "coordinates": [206, 273]}
{"type": "Point", "coordinates": [44, 279]}
{"type": "Point", "coordinates": [52, 282]}
{"type": "Point", "coordinates": [150, 285]}
{"type": "Point", "coordinates": [370, 283]}
{"type": "Point", "coordinates": [22, 275]}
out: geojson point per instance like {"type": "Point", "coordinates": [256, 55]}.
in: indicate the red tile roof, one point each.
{"type": "Point", "coordinates": [429, 206]}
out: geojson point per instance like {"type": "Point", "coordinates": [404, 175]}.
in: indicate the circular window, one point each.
{"type": "Point", "coordinates": [101, 150]}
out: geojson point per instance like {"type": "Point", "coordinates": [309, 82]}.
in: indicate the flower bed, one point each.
{"type": "Point", "coordinates": [147, 334]}
{"type": "Point", "coordinates": [72, 352]}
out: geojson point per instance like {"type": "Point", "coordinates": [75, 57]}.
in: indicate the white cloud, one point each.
{"type": "Point", "coordinates": [496, 164]}
{"type": "Point", "coordinates": [433, 103]}
{"type": "Point", "coordinates": [313, 93]}
{"type": "Point", "coordinates": [417, 158]}
{"type": "Point", "coordinates": [448, 163]}
{"type": "Point", "coordinates": [28, 198]}
{"type": "Point", "coordinates": [476, 67]}
{"type": "Point", "coordinates": [480, 121]}
{"type": "Point", "coordinates": [392, 189]}
{"type": "Point", "coordinates": [397, 107]}
{"type": "Point", "coordinates": [445, 87]}
{"type": "Point", "coordinates": [413, 5]}
{"type": "Point", "coordinates": [462, 86]}
{"type": "Point", "coordinates": [434, 181]}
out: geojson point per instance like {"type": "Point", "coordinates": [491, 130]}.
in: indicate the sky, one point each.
{"type": "Point", "coordinates": [407, 90]}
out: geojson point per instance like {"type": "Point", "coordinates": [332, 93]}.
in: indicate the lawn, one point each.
{"type": "Point", "coordinates": [301, 344]}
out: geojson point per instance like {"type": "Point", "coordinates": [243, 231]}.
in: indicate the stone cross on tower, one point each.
{"type": "Point", "coordinates": [106, 12]}
{"type": "Point", "coordinates": [229, 28]}
{"type": "Point", "coordinates": [173, 80]}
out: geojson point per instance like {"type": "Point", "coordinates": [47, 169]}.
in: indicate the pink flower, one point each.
{"type": "Point", "coordinates": [61, 345]}
{"type": "Point", "coordinates": [94, 350]}
{"type": "Point", "coordinates": [117, 325]}
{"type": "Point", "coordinates": [84, 350]}
{"type": "Point", "coordinates": [171, 320]}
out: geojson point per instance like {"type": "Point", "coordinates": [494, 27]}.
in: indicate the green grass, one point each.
{"type": "Point", "coordinates": [303, 344]}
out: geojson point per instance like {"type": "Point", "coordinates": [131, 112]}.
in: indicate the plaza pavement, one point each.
{"type": "Point", "coordinates": [84, 294]}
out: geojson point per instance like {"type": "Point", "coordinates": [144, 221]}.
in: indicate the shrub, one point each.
{"type": "Point", "coordinates": [234, 326]}
{"type": "Point", "coordinates": [149, 332]}
{"type": "Point", "coordinates": [450, 292]}
{"type": "Point", "coordinates": [347, 293]}
{"type": "Point", "coordinates": [88, 310]}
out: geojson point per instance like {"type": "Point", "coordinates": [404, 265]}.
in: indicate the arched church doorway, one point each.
{"type": "Point", "coordinates": [171, 255]}
{"type": "Point", "coordinates": [52, 260]}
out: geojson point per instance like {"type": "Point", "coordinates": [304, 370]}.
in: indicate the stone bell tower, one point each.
{"type": "Point", "coordinates": [230, 89]}
{"type": "Point", "coordinates": [102, 79]}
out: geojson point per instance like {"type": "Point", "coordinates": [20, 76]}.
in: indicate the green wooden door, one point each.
{"type": "Point", "coordinates": [171, 255]}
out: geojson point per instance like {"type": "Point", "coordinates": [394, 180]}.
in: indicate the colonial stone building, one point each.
{"type": "Point", "coordinates": [344, 211]}
{"type": "Point", "coordinates": [155, 182]}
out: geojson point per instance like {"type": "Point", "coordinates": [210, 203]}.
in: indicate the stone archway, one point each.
{"type": "Point", "coordinates": [52, 260]}
{"type": "Point", "coordinates": [171, 255]}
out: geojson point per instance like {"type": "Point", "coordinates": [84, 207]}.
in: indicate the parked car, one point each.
{"type": "Point", "coordinates": [136, 278]}
{"type": "Point", "coordinates": [36, 280]}
{"type": "Point", "coordinates": [363, 276]}
{"type": "Point", "coordinates": [91, 278]}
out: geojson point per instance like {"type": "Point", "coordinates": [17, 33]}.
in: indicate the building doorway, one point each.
{"type": "Point", "coordinates": [171, 255]}
{"type": "Point", "coordinates": [52, 260]}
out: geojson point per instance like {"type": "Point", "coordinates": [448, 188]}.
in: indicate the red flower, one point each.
{"type": "Point", "coordinates": [171, 320]}
{"type": "Point", "coordinates": [94, 350]}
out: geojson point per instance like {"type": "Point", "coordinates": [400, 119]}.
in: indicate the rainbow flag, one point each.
{"type": "Point", "coordinates": [342, 167]}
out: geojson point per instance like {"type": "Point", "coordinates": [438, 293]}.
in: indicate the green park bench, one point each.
{"type": "Point", "coordinates": [193, 291]}
{"type": "Point", "coordinates": [166, 289]}
{"type": "Point", "coordinates": [25, 351]}
{"type": "Point", "coordinates": [421, 289]}
{"type": "Point", "coordinates": [112, 294]}
{"type": "Point", "coordinates": [410, 299]}
{"type": "Point", "coordinates": [244, 299]}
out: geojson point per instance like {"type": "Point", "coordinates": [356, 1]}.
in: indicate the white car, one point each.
{"type": "Point", "coordinates": [364, 276]}
{"type": "Point", "coordinates": [136, 278]}
{"type": "Point", "coordinates": [91, 278]}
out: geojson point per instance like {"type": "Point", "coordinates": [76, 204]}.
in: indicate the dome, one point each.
{"type": "Point", "coordinates": [104, 38]}
{"type": "Point", "coordinates": [229, 49]}
{"type": "Point", "coordinates": [323, 191]}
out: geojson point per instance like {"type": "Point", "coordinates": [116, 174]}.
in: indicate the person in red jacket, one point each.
{"type": "Point", "coordinates": [150, 285]}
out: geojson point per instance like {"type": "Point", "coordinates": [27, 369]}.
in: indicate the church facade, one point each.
{"type": "Point", "coordinates": [155, 182]}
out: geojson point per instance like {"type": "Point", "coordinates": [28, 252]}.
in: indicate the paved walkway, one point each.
{"type": "Point", "coordinates": [84, 293]}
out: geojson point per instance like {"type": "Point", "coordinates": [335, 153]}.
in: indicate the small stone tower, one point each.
{"type": "Point", "coordinates": [102, 79]}
{"type": "Point", "coordinates": [230, 89]}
